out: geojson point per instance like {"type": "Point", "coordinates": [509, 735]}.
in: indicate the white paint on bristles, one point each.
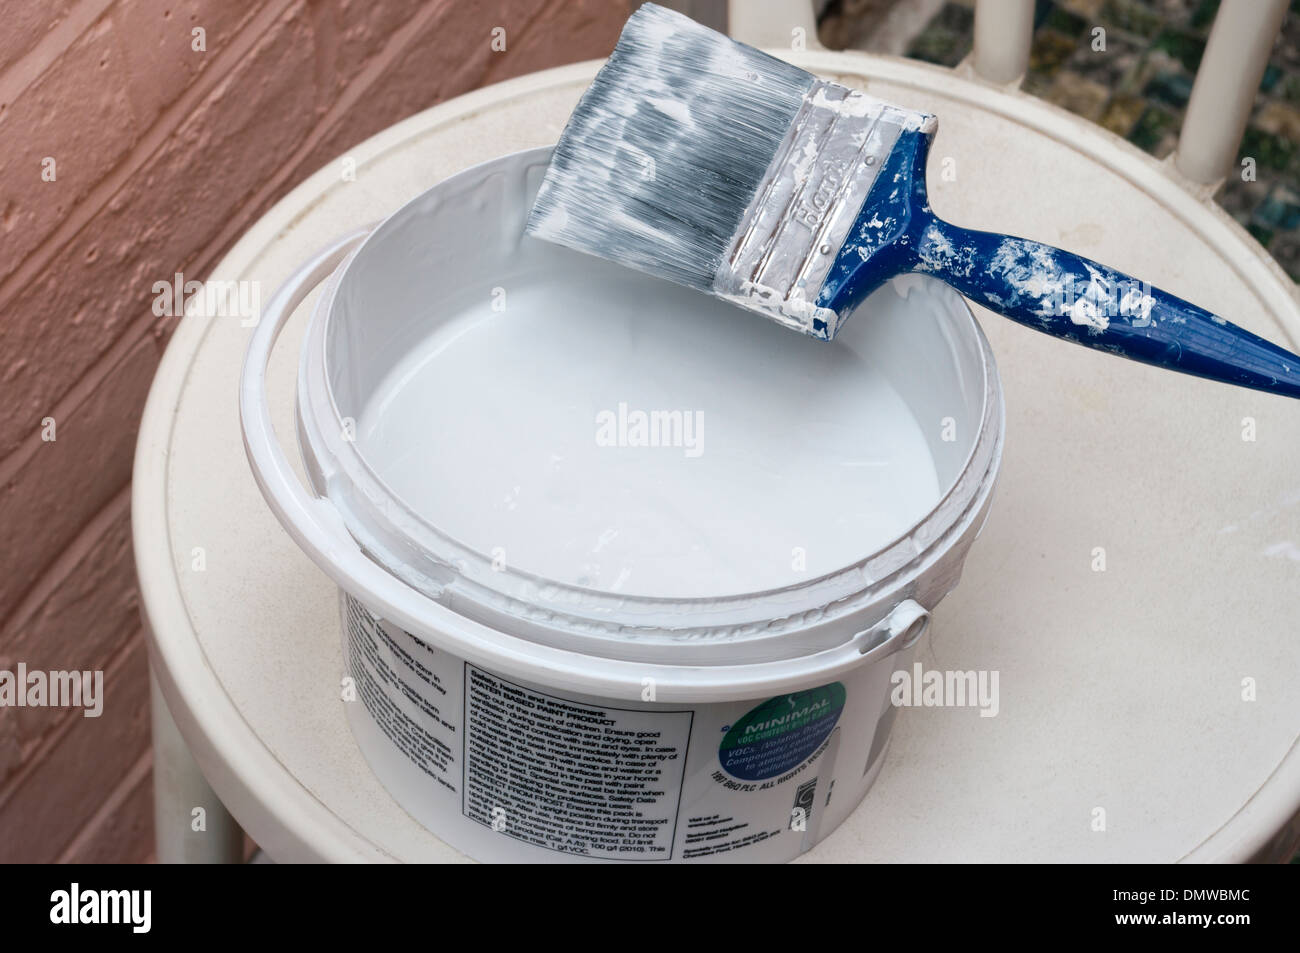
{"type": "Point", "coordinates": [739, 188]}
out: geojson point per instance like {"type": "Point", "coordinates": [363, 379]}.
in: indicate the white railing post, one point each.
{"type": "Point", "coordinates": [1003, 31]}
{"type": "Point", "coordinates": [773, 24]}
{"type": "Point", "coordinates": [1224, 91]}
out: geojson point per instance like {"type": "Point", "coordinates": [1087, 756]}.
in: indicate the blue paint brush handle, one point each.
{"type": "Point", "coordinates": [1071, 297]}
{"type": "Point", "coordinates": [1045, 288]}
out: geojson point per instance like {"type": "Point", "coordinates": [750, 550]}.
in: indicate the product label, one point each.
{"type": "Point", "coordinates": [572, 777]}
{"type": "Point", "coordinates": [507, 770]}
{"type": "Point", "coordinates": [402, 695]}
{"type": "Point", "coordinates": [781, 733]}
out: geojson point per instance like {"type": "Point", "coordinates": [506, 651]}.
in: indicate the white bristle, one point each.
{"type": "Point", "coordinates": [668, 148]}
{"type": "Point", "coordinates": [704, 161]}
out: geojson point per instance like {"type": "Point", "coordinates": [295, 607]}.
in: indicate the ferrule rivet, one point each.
{"type": "Point", "coordinates": [870, 160]}
{"type": "Point", "coordinates": [825, 249]}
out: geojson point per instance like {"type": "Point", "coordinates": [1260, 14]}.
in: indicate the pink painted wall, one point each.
{"type": "Point", "coordinates": [163, 155]}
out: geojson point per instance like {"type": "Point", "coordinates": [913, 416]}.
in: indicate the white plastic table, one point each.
{"type": "Point", "coordinates": [1159, 695]}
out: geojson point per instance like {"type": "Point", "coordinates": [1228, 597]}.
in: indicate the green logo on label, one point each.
{"type": "Point", "coordinates": [781, 733]}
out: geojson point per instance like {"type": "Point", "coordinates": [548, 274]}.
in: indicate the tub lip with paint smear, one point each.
{"type": "Point", "coordinates": [442, 567]}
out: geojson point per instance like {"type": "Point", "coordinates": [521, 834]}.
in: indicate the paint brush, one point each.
{"type": "Point", "coordinates": [709, 163]}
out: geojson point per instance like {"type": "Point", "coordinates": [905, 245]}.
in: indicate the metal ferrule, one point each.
{"type": "Point", "coordinates": [808, 200]}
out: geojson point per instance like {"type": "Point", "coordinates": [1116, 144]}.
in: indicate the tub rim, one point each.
{"type": "Point", "coordinates": [435, 563]}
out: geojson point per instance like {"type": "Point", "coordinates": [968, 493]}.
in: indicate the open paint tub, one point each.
{"type": "Point", "coordinates": [624, 571]}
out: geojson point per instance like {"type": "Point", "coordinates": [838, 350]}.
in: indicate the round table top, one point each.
{"type": "Point", "coordinates": [1160, 690]}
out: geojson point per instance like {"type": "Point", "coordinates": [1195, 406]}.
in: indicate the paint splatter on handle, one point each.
{"type": "Point", "coordinates": [1077, 299]}
{"type": "Point", "coordinates": [1045, 288]}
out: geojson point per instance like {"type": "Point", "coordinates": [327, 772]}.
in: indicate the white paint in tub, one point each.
{"type": "Point", "coordinates": [806, 459]}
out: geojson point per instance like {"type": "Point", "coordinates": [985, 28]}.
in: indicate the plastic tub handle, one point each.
{"type": "Point", "coordinates": [284, 492]}
{"type": "Point", "coordinates": [899, 630]}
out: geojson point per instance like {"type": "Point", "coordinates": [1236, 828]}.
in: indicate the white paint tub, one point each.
{"type": "Point", "coordinates": [624, 571]}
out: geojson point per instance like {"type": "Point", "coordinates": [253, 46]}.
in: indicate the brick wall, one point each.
{"type": "Point", "coordinates": [129, 153]}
